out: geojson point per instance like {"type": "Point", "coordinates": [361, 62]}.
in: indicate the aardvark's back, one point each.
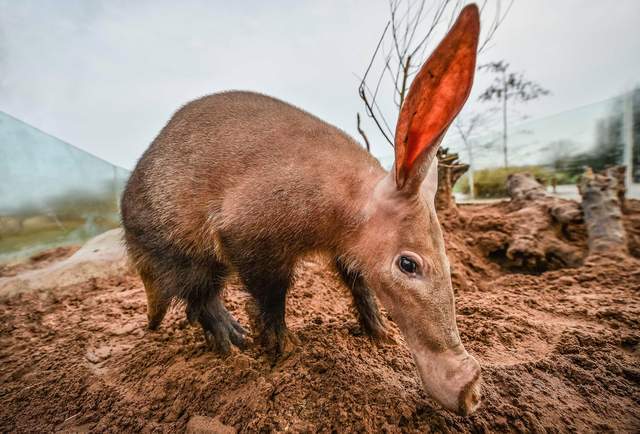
{"type": "Point", "coordinates": [242, 161]}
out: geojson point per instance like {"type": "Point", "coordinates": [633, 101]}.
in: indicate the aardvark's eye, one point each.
{"type": "Point", "coordinates": [407, 265]}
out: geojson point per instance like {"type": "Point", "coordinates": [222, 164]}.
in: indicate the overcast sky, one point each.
{"type": "Point", "coordinates": [107, 75]}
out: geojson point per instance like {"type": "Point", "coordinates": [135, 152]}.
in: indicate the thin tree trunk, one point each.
{"type": "Point", "coordinates": [449, 171]}
{"type": "Point", "coordinates": [472, 182]}
{"type": "Point", "coordinates": [362, 133]}
{"type": "Point", "coordinates": [504, 121]}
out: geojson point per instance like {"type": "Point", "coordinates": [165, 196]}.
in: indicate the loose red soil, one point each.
{"type": "Point", "coordinates": [560, 352]}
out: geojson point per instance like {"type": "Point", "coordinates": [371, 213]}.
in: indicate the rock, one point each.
{"type": "Point", "coordinates": [100, 257]}
{"type": "Point", "coordinates": [208, 425]}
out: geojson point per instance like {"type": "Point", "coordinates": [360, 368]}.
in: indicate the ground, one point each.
{"type": "Point", "coordinates": [560, 352]}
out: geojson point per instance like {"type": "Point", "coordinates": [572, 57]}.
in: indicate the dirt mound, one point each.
{"type": "Point", "coordinates": [37, 261]}
{"type": "Point", "coordinates": [560, 351]}
{"type": "Point", "coordinates": [101, 256]}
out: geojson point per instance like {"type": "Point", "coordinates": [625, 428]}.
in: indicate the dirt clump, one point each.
{"type": "Point", "coordinates": [560, 352]}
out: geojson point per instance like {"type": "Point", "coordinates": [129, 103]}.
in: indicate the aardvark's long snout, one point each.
{"type": "Point", "coordinates": [452, 378]}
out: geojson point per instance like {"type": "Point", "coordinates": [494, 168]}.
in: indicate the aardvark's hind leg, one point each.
{"type": "Point", "coordinates": [204, 304]}
{"type": "Point", "coordinates": [220, 328]}
{"type": "Point", "coordinates": [268, 283]}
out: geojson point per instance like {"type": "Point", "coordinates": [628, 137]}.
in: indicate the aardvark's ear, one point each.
{"type": "Point", "coordinates": [436, 96]}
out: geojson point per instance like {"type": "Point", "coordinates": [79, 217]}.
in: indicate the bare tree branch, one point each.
{"type": "Point", "coordinates": [362, 91]}
{"type": "Point", "coordinates": [362, 133]}
{"type": "Point", "coordinates": [497, 21]}
{"type": "Point", "coordinates": [370, 106]}
{"type": "Point", "coordinates": [434, 24]}
{"type": "Point", "coordinates": [402, 49]}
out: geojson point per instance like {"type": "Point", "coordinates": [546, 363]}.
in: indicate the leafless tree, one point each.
{"type": "Point", "coordinates": [465, 128]}
{"type": "Point", "coordinates": [402, 49]}
{"type": "Point", "coordinates": [509, 87]}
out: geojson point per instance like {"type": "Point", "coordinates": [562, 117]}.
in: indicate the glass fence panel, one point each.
{"type": "Point", "coordinates": [51, 193]}
{"type": "Point", "coordinates": [556, 148]}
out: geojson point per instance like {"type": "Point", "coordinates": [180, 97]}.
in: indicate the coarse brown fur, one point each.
{"type": "Point", "coordinates": [230, 184]}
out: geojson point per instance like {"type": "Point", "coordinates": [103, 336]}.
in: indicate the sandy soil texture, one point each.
{"type": "Point", "coordinates": [560, 352]}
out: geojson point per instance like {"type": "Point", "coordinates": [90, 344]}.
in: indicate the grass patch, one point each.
{"type": "Point", "coordinates": [492, 183]}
